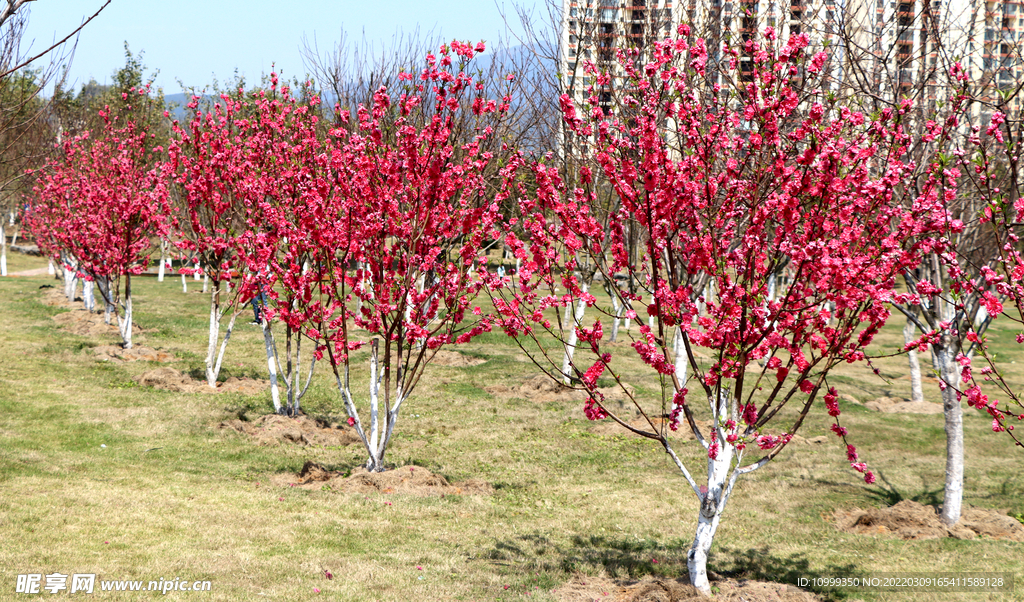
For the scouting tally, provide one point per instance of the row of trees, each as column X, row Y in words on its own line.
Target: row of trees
column 365, row 227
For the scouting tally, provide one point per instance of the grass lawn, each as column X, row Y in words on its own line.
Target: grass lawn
column 100, row 475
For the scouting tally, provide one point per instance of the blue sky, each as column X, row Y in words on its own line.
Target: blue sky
column 197, row 40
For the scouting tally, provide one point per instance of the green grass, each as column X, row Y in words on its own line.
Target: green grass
column 100, row 475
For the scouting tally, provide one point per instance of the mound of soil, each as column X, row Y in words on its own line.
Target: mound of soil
column 543, row 389
column 455, row 359
column 170, row 379
column 114, row 353
column 895, row 405
column 274, row 429
column 911, row 520
column 55, row 297
column 410, row 480
column 655, row 589
column 87, row 323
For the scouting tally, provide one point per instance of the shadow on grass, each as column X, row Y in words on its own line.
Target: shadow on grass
column 761, row 565
column 887, row 494
column 631, row 558
column 628, row 558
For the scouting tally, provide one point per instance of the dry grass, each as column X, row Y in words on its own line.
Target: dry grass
column 170, row 495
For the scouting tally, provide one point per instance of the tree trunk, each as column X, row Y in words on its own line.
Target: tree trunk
column 125, row 325
column 52, row 271
column 103, row 284
column 163, row 261
column 681, row 358
column 916, row 391
column 381, row 426
column 945, row 352
column 710, row 515
column 570, row 345
column 375, row 463
column 3, row 250
column 70, row 272
column 268, row 341
column 88, row 299
column 70, row 284
column 617, row 307
column 213, row 362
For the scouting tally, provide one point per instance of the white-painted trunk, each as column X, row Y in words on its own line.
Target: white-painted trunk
column 772, row 289
column 916, row 390
column 88, row 299
column 617, row 308
column 52, row 271
column 70, row 284
column 570, row 344
column 981, row 317
column 681, row 357
column 212, row 362
column 268, row 341
column 124, row 319
column 952, row 500
column 163, row 261
column 3, row 250
column 224, row 345
column 184, row 283
column 710, row 515
column 103, row 285
column 69, row 270
column 374, row 405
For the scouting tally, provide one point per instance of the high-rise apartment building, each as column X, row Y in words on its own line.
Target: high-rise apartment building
column 881, row 49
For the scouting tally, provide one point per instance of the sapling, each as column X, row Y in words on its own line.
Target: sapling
column 98, row 203
column 374, row 234
column 727, row 179
column 207, row 166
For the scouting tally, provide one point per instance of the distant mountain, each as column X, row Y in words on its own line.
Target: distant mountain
column 535, row 71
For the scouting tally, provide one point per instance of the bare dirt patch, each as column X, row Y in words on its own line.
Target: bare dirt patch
column 274, row 429
column 55, row 297
column 455, row 359
column 35, row 272
column 911, row 520
column 170, row 379
column 895, row 405
column 86, row 323
column 409, row 480
column 655, row 589
column 115, row 353
column 544, row 389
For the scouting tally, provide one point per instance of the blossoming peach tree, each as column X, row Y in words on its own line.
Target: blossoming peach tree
column 376, row 233
column 207, row 167
column 989, row 283
column 732, row 179
column 99, row 202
